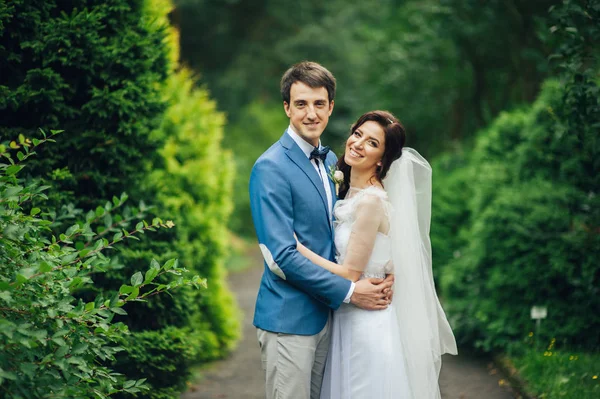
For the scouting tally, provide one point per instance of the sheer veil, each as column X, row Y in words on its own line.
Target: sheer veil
column 425, row 332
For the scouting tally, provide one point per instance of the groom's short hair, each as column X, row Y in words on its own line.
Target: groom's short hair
column 311, row 74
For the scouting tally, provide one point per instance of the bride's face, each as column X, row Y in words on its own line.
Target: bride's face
column 364, row 147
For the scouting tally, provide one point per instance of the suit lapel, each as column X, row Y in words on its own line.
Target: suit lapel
column 299, row 158
column 328, row 165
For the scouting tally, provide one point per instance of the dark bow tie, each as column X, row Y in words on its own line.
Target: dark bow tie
column 319, row 153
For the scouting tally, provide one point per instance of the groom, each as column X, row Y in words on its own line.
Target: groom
column 291, row 193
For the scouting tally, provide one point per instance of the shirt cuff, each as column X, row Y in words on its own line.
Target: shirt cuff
column 350, row 292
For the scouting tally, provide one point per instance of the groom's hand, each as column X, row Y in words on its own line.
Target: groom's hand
column 368, row 293
column 389, row 292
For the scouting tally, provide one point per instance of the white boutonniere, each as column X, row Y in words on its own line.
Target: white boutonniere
column 337, row 177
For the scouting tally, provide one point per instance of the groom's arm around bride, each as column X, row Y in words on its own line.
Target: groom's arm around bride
column 290, row 193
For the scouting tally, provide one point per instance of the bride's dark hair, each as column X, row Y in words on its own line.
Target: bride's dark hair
column 395, row 137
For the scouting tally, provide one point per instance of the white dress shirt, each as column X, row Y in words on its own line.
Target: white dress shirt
column 320, row 169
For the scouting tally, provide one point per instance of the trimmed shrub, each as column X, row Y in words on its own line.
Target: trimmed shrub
column 452, row 189
column 104, row 71
column 531, row 239
column 194, row 186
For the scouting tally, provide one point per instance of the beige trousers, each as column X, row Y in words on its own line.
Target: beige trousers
column 293, row 364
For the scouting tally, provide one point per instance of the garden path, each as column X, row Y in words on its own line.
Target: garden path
column 239, row 376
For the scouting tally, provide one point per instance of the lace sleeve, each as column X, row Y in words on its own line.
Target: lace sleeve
column 369, row 217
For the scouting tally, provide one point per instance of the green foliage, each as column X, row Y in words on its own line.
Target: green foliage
column 193, row 184
column 158, row 355
column 92, row 70
column 451, row 190
column 531, row 237
column 103, row 71
column 258, row 126
column 53, row 343
column 445, row 68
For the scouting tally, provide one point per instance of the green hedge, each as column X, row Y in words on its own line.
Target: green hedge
column 530, row 240
column 194, row 186
column 105, row 72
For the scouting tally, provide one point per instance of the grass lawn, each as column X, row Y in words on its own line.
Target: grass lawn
column 549, row 373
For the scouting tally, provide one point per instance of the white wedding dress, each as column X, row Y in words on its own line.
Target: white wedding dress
column 366, row 357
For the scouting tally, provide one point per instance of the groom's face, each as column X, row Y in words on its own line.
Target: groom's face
column 309, row 110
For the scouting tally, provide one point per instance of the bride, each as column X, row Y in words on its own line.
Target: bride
column 382, row 227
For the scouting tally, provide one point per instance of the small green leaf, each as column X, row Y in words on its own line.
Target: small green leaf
column 108, row 221
column 137, row 279
column 150, row 275
column 99, row 211
column 60, row 333
column 6, row 296
column 171, row 263
column 120, row 311
column 79, row 348
column 140, row 382
column 154, row 264
column 63, row 348
column 45, row 267
column 12, row 191
column 84, row 253
column 125, row 289
column 134, row 294
column 89, row 306
column 71, row 230
column 7, row 375
column 129, row 384
column 99, row 394
column 35, row 211
column 13, row 169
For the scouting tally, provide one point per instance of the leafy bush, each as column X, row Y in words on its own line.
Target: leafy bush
column 525, row 254
column 193, row 185
column 105, row 71
column 52, row 342
column 529, row 241
column 532, row 234
column 451, row 188
column 93, row 69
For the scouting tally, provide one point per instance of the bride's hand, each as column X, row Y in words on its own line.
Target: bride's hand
column 368, row 293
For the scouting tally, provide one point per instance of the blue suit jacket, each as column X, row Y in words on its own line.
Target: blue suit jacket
column 287, row 196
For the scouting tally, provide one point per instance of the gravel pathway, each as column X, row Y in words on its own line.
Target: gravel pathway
column 240, row 375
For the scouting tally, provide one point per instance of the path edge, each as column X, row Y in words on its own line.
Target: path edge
column 518, row 384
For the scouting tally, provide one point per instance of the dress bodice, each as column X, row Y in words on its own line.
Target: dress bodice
column 345, row 212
